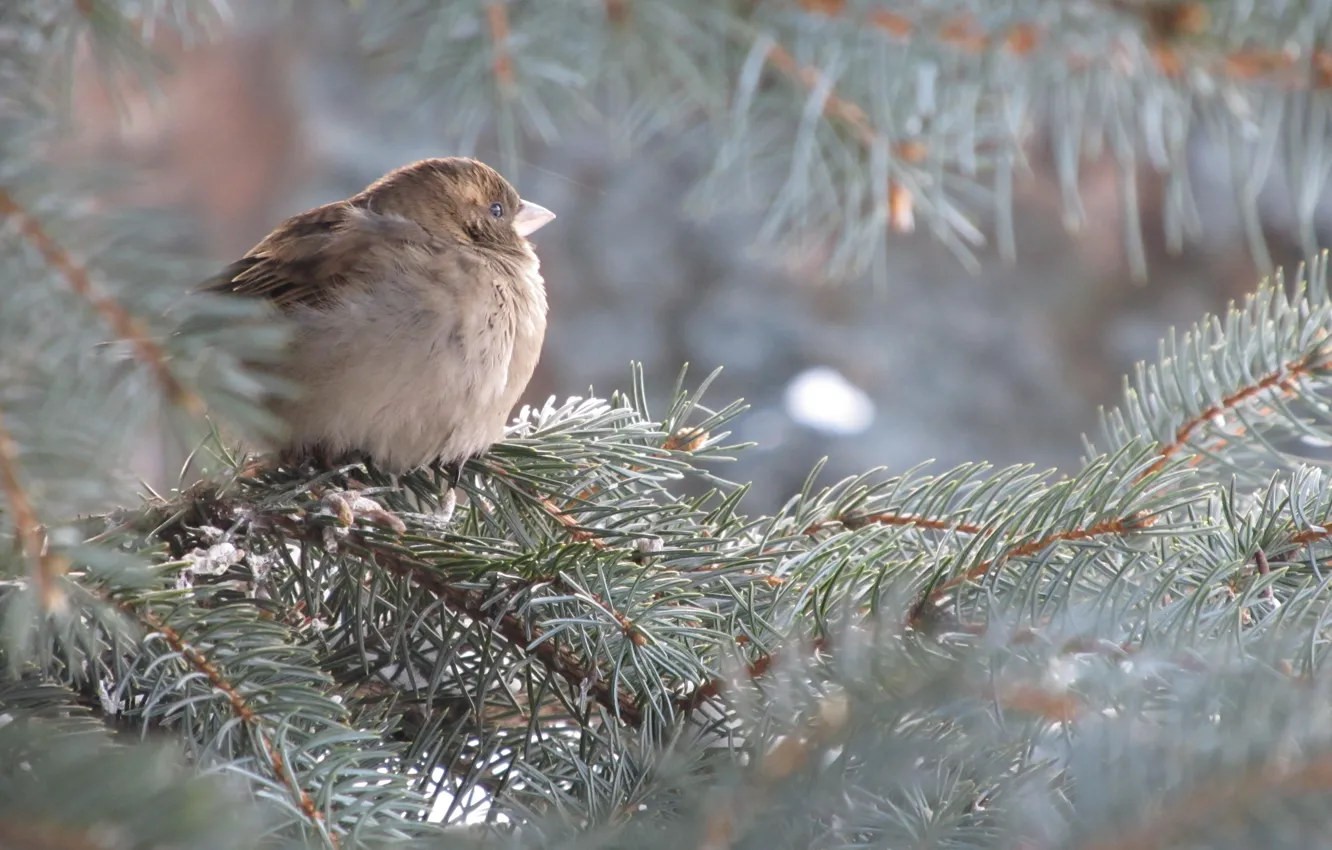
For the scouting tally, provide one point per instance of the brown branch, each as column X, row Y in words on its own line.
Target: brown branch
column 497, row 19
column 1170, row 43
column 826, row 8
column 753, row 670
column 1282, row 380
column 125, row 326
column 889, row 518
column 583, row 535
column 47, row 566
column 685, row 439
column 836, row 107
column 1219, row 800
column 900, row 199
column 1171, row 31
column 242, row 709
column 555, row 657
column 1118, row 525
column 577, row 532
column 761, row 665
column 901, row 202
column 563, row 662
column 1310, row 535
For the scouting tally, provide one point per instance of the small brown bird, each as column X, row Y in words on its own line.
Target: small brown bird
column 418, row 310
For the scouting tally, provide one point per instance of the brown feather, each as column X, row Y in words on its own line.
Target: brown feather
column 310, row 256
column 436, row 205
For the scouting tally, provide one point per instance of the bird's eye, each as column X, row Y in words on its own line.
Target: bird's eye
column 497, row 210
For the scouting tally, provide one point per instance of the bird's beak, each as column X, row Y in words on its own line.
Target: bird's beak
column 531, row 218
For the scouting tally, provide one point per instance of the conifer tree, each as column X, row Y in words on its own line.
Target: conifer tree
column 600, row 647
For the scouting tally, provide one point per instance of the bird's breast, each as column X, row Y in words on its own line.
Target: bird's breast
column 411, row 370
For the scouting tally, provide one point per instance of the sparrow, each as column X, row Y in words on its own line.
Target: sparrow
column 418, row 313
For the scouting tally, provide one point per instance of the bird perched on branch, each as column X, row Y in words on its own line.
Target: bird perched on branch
column 419, row 313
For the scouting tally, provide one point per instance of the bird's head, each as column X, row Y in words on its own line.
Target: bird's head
column 461, row 198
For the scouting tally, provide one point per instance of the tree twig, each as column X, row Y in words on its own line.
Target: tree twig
column 47, row 566
column 124, row 325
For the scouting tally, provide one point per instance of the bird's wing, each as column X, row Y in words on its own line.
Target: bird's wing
column 310, row 256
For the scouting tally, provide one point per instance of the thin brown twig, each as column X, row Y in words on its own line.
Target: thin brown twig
column 240, row 706
column 554, row 656
column 1283, row 380
column 522, row 635
column 1117, row 525
column 895, row 519
column 753, row 670
column 629, row 628
column 577, row 532
column 834, row 106
column 497, row 19
column 759, row 666
column 1311, row 535
column 1297, row 540
column 124, row 325
column 1171, row 41
column 1167, row 41
column 686, row 439
column 47, row 567
column 900, row 200
column 763, row 663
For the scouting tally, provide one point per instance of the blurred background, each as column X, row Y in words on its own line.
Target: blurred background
column 933, row 361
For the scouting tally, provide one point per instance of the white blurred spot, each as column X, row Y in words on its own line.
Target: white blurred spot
column 821, row 399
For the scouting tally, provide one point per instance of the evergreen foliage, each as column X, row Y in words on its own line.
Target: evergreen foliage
column 600, row 648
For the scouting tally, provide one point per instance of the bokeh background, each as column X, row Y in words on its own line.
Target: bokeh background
column 1010, row 365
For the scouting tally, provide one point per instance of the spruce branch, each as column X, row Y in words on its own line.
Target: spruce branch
column 238, row 690
column 536, row 596
column 54, row 768
column 245, row 712
column 1283, row 382
column 854, row 521
column 585, row 653
column 890, row 113
column 124, row 325
column 1114, row 526
column 1238, row 396
column 557, row 658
